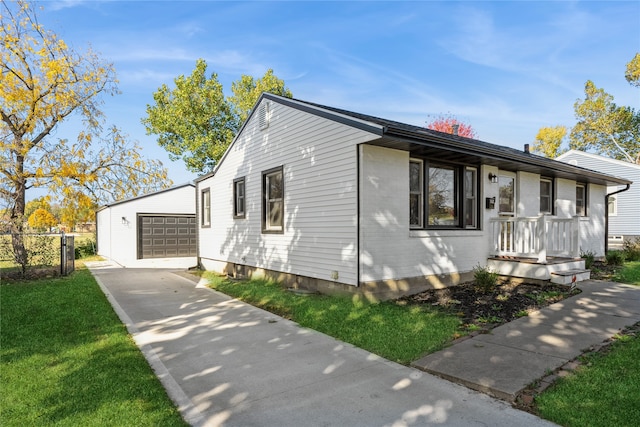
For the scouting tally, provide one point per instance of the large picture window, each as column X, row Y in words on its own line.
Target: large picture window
column 442, row 196
column 238, row 198
column 273, row 201
column 206, row 207
column 443, row 190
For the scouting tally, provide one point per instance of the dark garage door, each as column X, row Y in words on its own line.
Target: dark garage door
column 166, row 236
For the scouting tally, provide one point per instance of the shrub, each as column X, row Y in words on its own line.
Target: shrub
column 589, row 258
column 485, row 279
column 88, row 248
column 631, row 249
column 615, row 257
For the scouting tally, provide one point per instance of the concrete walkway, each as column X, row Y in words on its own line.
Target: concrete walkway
column 226, row 363
column 504, row 361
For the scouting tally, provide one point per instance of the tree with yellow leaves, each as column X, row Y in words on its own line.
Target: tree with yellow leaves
column 42, row 82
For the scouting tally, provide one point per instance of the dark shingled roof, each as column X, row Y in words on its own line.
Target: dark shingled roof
column 423, row 141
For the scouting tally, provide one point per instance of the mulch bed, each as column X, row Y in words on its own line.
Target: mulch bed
column 486, row 310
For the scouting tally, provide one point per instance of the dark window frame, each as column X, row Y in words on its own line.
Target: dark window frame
column 552, row 198
column 239, row 200
column 459, row 197
column 267, row 227
column 205, row 205
column 585, row 200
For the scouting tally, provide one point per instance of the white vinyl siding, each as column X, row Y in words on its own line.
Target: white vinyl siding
column 319, row 164
column 626, row 221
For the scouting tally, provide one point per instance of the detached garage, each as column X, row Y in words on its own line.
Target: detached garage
column 157, row 229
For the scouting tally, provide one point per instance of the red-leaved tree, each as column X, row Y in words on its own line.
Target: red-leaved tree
column 446, row 123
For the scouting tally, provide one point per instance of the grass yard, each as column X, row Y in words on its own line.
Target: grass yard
column 397, row 332
column 606, row 388
column 630, row 273
column 67, row 360
column 603, row 392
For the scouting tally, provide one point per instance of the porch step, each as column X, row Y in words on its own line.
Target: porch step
column 568, row 277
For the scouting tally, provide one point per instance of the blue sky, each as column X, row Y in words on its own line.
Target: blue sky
column 506, row 68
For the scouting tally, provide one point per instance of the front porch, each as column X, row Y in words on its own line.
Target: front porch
column 541, row 248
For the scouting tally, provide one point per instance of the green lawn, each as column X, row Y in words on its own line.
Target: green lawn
column 67, row 360
column 396, row 332
column 630, row 273
column 604, row 392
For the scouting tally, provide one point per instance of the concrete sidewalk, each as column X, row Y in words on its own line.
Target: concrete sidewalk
column 227, row 363
column 504, row 361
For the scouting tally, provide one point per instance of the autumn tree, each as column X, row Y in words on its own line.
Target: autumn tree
column 632, row 73
column 549, row 141
column 602, row 126
column 39, row 214
column 43, row 82
column 195, row 122
column 448, row 123
column 247, row 90
column 42, row 220
column 605, row 127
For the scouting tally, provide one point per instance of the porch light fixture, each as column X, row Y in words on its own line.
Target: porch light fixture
column 124, row 220
column 493, row 177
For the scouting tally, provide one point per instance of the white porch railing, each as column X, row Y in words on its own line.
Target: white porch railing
column 538, row 237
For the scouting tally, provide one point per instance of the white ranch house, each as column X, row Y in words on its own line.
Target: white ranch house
column 327, row 199
column 154, row 230
column 623, row 203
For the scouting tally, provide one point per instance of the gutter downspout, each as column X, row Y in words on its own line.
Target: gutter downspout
column 606, row 217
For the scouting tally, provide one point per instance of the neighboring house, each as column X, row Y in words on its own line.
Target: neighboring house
column 623, row 208
column 157, row 229
column 328, row 199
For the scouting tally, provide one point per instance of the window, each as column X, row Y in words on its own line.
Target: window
column 470, row 198
column 581, row 200
column 447, row 199
column 206, row 207
column 546, row 196
column 238, row 198
column 273, row 201
column 442, row 196
column 507, row 193
column 612, row 205
column 415, row 193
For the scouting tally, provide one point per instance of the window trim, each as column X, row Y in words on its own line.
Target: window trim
column 459, row 198
column 205, row 205
column 585, row 199
column 266, row 227
column 419, row 193
column 613, row 201
column 551, row 196
column 475, row 199
column 237, row 214
column 511, row 176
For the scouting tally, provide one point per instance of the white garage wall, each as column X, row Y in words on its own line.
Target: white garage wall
column 118, row 238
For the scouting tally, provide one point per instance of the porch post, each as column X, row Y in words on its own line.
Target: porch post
column 575, row 237
column 542, row 239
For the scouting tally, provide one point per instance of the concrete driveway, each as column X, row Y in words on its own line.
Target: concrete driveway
column 226, row 363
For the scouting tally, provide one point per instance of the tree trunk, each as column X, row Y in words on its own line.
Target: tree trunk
column 20, row 254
